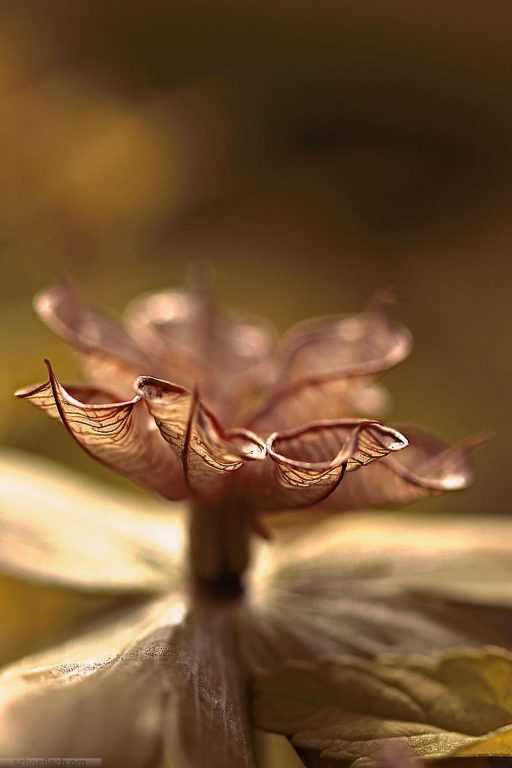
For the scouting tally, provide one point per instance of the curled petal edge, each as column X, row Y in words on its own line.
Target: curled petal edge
column 143, row 386
column 130, row 447
column 208, row 453
column 347, row 449
column 317, row 459
column 459, row 452
column 304, row 334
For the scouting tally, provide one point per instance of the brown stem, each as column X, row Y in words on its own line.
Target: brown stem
column 218, row 549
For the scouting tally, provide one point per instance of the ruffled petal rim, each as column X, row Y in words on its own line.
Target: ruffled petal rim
column 120, row 434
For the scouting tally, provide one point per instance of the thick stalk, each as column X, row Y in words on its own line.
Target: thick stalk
column 218, row 548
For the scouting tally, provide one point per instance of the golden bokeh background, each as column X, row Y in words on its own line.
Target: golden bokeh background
column 310, row 152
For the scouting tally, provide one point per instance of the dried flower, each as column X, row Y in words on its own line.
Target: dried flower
column 168, row 678
column 299, row 447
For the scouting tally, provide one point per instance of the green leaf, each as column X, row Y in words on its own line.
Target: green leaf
column 458, row 704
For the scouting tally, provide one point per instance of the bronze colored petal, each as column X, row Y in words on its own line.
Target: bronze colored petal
column 325, row 367
column 110, row 355
column 427, row 467
column 58, row 528
column 222, row 352
column 305, row 466
column 209, row 453
column 119, row 434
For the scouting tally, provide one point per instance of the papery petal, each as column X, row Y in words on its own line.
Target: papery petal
column 41, row 614
column 162, row 680
column 206, row 345
column 58, row 528
column 207, row 718
column 372, row 583
column 306, row 465
column 119, row 434
column 395, row 551
column 110, row 355
column 209, row 453
column 355, row 345
column 427, row 467
column 325, row 367
column 101, row 696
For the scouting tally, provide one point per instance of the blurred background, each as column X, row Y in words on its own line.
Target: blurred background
column 311, row 151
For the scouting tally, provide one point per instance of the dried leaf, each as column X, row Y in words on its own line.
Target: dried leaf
column 207, row 719
column 455, row 705
column 354, row 584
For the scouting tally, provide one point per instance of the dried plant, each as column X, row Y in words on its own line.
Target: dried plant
column 264, row 441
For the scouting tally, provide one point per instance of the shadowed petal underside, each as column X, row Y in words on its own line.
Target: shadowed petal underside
column 372, row 583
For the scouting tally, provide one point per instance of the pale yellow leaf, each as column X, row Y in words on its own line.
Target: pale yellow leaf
column 274, row 751
column 57, row 527
column 458, row 704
